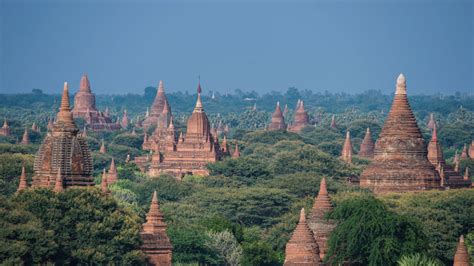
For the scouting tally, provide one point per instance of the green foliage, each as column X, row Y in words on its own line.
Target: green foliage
column 368, row 233
column 226, row 246
column 270, row 137
column 418, row 259
column 246, row 170
column 189, row 246
column 84, row 226
column 129, row 140
column 259, row 253
column 10, row 170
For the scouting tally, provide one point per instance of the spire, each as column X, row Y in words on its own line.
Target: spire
column 26, row 138
column 367, row 146
column 112, row 176
column 435, row 152
column 471, row 150
column 161, row 87
column 199, row 107
column 64, row 115
column 302, row 248
column 5, row 123
column 431, row 122
column 23, row 184
column 236, row 153
column 461, row 258
column 464, row 152
column 154, row 218
column 58, row 185
column 322, row 203
column 134, row 133
column 333, row 122
column 346, row 154
column 434, row 136
column 103, row 150
column 104, row 185
column 147, row 114
column 50, row 124
column 278, row 120
column 145, row 138
column 124, row 122
column 466, row 174
column 401, row 85
column 85, row 85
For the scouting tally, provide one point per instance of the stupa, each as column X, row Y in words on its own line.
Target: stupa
column 23, row 183
column 367, row 146
column 63, row 152
column 431, row 122
column 25, row 140
column 400, row 161
column 112, row 175
column 191, row 153
column 333, row 122
column 471, row 150
column 320, row 226
column 157, row 141
column 236, row 153
column 302, row 248
column 346, row 154
column 157, row 108
column 5, row 130
column 278, row 121
column 156, row 243
column 84, row 107
column 301, row 118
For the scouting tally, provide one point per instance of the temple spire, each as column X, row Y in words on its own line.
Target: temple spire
column 199, row 107
column 103, row 149
column 461, row 258
column 154, row 218
column 466, row 174
column 5, row 123
column 23, row 184
column 26, row 138
column 333, row 122
column 401, row 85
column 112, row 176
column 85, row 85
column 104, row 185
column 302, row 248
column 367, row 146
column 236, row 153
column 346, row 154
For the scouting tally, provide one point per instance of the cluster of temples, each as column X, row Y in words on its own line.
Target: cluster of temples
column 300, row 119
column 186, row 153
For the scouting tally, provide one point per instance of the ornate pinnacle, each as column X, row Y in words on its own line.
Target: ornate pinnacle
column 401, row 85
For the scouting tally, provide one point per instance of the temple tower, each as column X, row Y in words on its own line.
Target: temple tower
column 63, row 152
column 236, row 153
column 301, row 118
column 278, row 120
column 112, row 175
column 333, row 122
column 471, row 150
column 104, row 186
column 367, row 146
column 25, row 140
column 346, row 154
column 302, row 248
column 157, row 107
column 103, row 149
column 5, row 130
column 431, row 122
column 320, row 226
column 156, row 244
column 400, row 157
column 23, row 183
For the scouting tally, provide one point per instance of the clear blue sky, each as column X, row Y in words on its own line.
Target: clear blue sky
column 348, row 46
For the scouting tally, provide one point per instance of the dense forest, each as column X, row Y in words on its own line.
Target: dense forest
column 245, row 211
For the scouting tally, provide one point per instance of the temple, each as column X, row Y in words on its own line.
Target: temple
column 84, row 107
column 190, row 153
column 156, row 244
column 103, row 149
column 461, row 258
column 471, row 150
column 112, row 175
column 400, row 161
column 5, row 130
column 320, row 226
column 236, row 153
column 302, row 248
column 346, row 154
column 103, row 185
column 367, row 146
column 25, row 139
column 450, row 178
column 157, row 141
column 301, row 118
column 160, row 105
column 63, row 153
column 278, row 120
column 23, row 182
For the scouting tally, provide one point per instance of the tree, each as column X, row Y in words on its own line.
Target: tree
column 418, row 259
column 368, row 233
column 226, row 246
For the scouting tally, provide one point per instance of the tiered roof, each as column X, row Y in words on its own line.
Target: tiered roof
column 302, row 248
column 367, row 146
column 278, row 120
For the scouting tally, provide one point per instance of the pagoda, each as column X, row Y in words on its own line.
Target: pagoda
column 112, row 175
column 471, row 150
column 157, row 141
column 191, row 153
column 84, row 107
column 25, row 140
column 450, row 177
column 367, row 146
column 346, row 154
column 333, row 122
column 461, row 258
column 5, row 130
column 431, row 122
column 464, row 153
column 400, row 161
column 301, row 118
column 320, row 226
column 63, row 153
column 23, row 182
column 156, row 243
column 236, row 153
column 278, row 120
column 302, row 248
column 157, row 108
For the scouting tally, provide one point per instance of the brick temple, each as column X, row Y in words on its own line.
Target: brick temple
column 160, row 104
column 5, row 130
column 63, row 158
column 301, row 118
column 400, row 161
column 278, row 120
column 84, row 107
column 367, row 146
column 189, row 153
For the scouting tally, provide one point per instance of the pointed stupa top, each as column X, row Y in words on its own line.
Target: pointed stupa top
column 23, row 184
column 333, row 122
column 26, row 138
column 431, row 122
column 50, row 124
column 85, row 85
column 5, row 123
column 466, row 174
column 102, row 149
column 367, row 146
column 199, row 108
column 64, row 115
column 113, row 167
column 322, row 203
column 435, row 152
column 471, row 150
column 147, row 114
column 302, row 248
column 346, row 154
column 58, row 185
column 134, row 133
column 461, row 258
column 112, row 175
column 154, row 219
column 464, row 154
column 103, row 184
column 278, row 120
column 236, row 153
column 401, row 85
column 285, row 110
